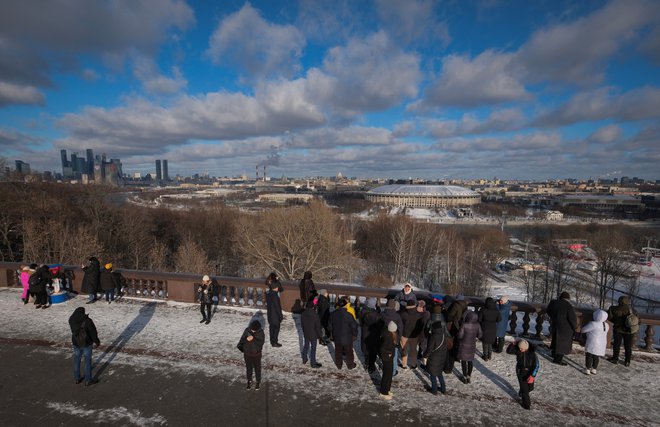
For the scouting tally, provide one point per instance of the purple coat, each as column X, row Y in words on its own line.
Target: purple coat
column 467, row 337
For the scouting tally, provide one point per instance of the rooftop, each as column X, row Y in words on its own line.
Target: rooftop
column 423, row 190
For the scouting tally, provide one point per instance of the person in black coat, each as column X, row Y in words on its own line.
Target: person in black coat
column 436, row 354
column 527, row 366
column 344, row 332
column 38, row 282
column 389, row 341
column 563, row 325
column 109, row 281
column 92, row 279
column 205, row 299
column 413, row 325
column 251, row 344
column 311, row 326
column 371, row 326
column 274, row 309
column 307, row 288
column 489, row 315
column 83, row 336
column 323, row 311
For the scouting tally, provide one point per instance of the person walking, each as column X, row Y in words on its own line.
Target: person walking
column 489, row 315
column 389, row 340
column 467, row 343
column 83, row 337
column 311, row 326
column 436, row 353
column 274, row 308
column 563, row 324
column 504, row 307
column 92, row 279
column 205, row 299
column 622, row 332
column 527, row 366
column 596, row 332
column 344, row 333
column 251, row 344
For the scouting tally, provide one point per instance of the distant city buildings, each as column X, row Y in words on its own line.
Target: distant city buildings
column 91, row 168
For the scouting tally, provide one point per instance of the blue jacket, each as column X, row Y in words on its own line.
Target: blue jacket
column 505, row 311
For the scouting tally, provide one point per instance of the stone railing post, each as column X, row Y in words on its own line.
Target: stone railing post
column 513, row 321
column 540, row 317
column 526, row 324
column 648, row 338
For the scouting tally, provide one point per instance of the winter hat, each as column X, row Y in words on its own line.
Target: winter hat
column 407, row 285
column 390, row 303
column 565, row 295
column 504, row 299
column 255, row 325
column 323, row 292
column 411, row 304
column 108, row 266
column 206, row 278
column 391, row 326
column 371, row 302
column 523, row 345
column 342, row 302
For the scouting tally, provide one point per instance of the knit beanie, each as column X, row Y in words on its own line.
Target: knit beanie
column 391, row 326
column 523, row 345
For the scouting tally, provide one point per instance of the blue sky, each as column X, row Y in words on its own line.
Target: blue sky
column 381, row 88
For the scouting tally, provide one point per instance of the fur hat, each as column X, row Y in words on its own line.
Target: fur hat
column 523, row 345
column 206, row 278
column 391, row 326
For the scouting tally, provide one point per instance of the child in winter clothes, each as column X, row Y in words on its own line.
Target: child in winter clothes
column 596, row 332
column 251, row 344
column 527, row 366
column 467, row 343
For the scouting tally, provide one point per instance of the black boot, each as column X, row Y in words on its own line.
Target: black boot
column 500, row 344
column 249, row 385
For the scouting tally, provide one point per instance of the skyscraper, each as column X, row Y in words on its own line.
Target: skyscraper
column 166, row 175
column 90, row 162
column 159, row 176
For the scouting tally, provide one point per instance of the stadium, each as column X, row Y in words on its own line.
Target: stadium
column 423, row 196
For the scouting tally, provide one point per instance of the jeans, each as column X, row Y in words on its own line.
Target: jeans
column 87, row 353
column 434, row 383
column 110, row 295
column 395, row 364
column 312, row 354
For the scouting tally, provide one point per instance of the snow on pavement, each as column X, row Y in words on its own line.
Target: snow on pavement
column 136, row 333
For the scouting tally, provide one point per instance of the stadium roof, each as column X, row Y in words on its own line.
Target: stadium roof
column 423, row 190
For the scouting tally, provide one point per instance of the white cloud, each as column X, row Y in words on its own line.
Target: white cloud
column 246, row 41
column 19, row 94
column 606, row 135
column 502, row 120
column 536, row 141
column 146, row 71
column 412, row 20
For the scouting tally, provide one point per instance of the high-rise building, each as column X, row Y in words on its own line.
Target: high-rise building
column 22, row 167
column 89, row 170
column 159, row 175
column 166, row 175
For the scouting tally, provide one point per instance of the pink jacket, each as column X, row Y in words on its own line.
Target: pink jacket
column 25, row 276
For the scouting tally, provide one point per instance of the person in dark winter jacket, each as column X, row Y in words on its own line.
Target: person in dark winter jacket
column 109, row 281
column 371, row 326
column 311, row 326
column 307, row 288
column 454, row 318
column 344, row 332
column 274, row 309
column 563, row 324
column 37, row 286
column 389, row 340
column 205, row 300
column 436, row 354
column 390, row 314
column 422, row 338
column 323, row 310
column 617, row 315
column 214, row 291
column 251, row 344
column 504, row 307
column 413, row 324
column 527, row 366
column 92, row 279
column 83, row 336
column 467, row 343
column 406, row 295
column 488, row 318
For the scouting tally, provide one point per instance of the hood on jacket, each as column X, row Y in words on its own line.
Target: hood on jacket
column 600, row 316
column 471, row 317
column 490, row 303
column 307, row 275
column 77, row 318
column 624, row 300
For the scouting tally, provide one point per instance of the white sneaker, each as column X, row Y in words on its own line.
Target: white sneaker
column 594, row 372
column 587, row 371
column 385, row 396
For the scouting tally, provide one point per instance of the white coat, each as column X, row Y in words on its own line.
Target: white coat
column 596, row 332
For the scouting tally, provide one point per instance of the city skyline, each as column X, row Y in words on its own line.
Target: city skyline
column 383, row 88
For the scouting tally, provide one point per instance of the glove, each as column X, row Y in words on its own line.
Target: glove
column 530, row 380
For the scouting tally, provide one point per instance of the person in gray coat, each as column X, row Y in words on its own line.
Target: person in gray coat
column 564, row 323
column 488, row 318
column 467, row 343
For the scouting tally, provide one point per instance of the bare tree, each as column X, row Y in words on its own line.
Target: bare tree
column 191, row 258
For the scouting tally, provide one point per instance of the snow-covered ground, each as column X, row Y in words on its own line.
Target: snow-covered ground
column 150, row 335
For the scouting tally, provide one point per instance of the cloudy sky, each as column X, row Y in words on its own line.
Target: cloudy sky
column 369, row 88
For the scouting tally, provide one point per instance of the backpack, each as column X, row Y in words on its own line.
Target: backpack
column 81, row 335
column 632, row 322
column 34, row 279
